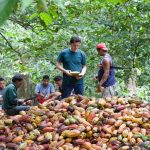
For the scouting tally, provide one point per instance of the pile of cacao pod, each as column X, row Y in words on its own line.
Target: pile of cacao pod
column 78, row 123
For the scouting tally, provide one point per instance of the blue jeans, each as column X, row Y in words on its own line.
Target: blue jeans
column 16, row 110
column 67, row 89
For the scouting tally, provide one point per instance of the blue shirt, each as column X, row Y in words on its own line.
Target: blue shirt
column 45, row 90
column 73, row 61
column 1, row 95
column 2, row 92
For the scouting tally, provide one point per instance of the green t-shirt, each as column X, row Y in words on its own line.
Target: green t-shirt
column 73, row 61
column 10, row 97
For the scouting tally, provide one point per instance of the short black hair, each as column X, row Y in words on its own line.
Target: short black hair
column 2, row 79
column 45, row 77
column 17, row 77
column 58, row 78
column 75, row 39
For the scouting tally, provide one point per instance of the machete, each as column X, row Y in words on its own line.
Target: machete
column 122, row 68
column 31, row 98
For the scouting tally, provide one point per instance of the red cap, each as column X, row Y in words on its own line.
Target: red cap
column 102, row 46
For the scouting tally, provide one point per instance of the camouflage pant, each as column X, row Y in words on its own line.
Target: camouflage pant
column 109, row 91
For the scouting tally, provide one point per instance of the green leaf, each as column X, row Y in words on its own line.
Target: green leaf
column 146, row 1
column 6, row 7
column 46, row 18
column 53, row 13
column 34, row 15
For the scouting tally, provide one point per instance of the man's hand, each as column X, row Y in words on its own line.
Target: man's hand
column 41, row 95
column 1, row 98
column 80, row 76
column 29, row 102
column 67, row 72
column 100, row 88
column 20, row 101
column 46, row 103
column 96, row 77
column 100, row 65
column 46, row 97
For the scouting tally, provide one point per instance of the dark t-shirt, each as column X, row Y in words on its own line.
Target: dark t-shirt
column 10, row 98
column 73, row 61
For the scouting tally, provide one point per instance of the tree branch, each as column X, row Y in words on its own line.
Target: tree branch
column 24, row 24
column 9, row 44
column 6, row 41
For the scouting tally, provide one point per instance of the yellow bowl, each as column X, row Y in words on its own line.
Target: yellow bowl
column 74, row 73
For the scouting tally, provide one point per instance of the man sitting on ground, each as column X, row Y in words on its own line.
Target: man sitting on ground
column 45, row 91
column 10, row 100
column 58, row 81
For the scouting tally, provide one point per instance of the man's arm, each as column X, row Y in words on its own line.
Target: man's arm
column 60, row 67
column 37, row 91
column 83, row 62
column 52, row 95
column 82, row 72
column 60, row 60
column 50, row 92
column 106, row 67
column 13, row 96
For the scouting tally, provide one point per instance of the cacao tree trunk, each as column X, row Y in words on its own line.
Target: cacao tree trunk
column 132, row 83
column 25, row 90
